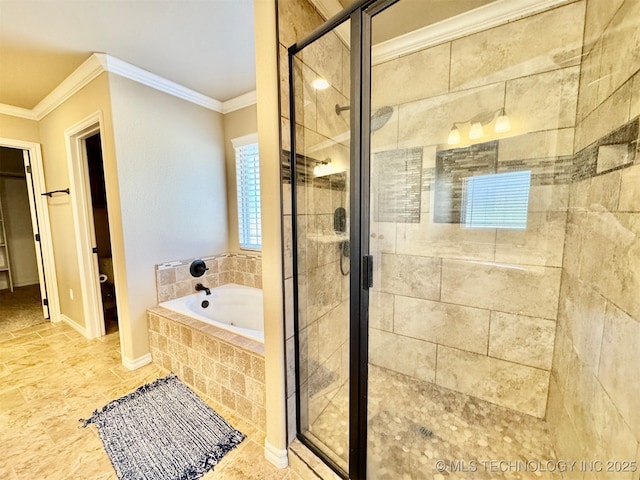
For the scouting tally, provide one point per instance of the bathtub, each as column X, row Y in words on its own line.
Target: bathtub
column 235, row 308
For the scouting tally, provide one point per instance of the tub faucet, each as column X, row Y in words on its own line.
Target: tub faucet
column 202, row 288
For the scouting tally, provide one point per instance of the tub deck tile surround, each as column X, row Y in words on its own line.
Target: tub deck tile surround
column 230, row 337
column 173, row 279
column 227, row 367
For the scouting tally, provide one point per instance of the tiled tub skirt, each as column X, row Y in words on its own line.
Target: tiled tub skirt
column 226, row 367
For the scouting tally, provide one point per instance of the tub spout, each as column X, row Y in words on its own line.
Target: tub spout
column 202, row 288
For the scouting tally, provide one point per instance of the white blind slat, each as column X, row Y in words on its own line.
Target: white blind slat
column 248, row 183
column 498, row 200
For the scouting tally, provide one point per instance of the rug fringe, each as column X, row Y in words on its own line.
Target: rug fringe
column 139, row 391
column 212, row 458
column 86, row 421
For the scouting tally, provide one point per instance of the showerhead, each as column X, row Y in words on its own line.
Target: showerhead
column 379, row 118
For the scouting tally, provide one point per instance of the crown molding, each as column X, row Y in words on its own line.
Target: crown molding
column 241, row 101
column 98, row 63
column 17, row 112
column 467, row 23
column 473, row 21
column 144, row 77
column 78, row 79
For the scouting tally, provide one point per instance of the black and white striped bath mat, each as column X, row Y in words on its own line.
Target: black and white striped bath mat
column 163, row 431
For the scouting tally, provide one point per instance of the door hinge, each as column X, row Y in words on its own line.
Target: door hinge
column 94, row 249
column 45, row 302
column 37, row 237
column 28, row 169
column 367, row 271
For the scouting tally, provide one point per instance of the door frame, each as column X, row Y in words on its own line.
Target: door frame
column 38, row 203
column 81, row 207
column 35, row 226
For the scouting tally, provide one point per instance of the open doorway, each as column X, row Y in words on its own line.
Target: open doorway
column 102, row 245
column 23, row 290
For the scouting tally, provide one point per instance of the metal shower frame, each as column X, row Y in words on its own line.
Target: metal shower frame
column 360, row 14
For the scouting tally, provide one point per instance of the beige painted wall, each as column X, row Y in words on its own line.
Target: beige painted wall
column 90, row 99
column 171, row 181
column 17, row 128
column 236, row 124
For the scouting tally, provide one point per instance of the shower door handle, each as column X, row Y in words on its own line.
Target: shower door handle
column 367, row 271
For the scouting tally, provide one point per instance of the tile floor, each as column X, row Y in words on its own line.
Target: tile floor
column 20, row 308
column 51, row 376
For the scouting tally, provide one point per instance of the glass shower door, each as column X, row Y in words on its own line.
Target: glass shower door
column 322, row 254
column 470, row 163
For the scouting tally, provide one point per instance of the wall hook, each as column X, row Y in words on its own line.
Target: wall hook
column 50, row 194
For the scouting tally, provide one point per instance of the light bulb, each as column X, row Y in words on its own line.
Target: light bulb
column 327, row 168
column 322, row 169
column 454, row 136
column 502, row 123
column 320, row 84
column 476, row 131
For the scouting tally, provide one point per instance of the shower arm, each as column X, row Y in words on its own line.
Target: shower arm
column 340, row 109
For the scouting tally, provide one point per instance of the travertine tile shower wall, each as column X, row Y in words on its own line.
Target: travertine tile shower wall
column 173, row 279
column 492, row 307
column 475, row 309
column 594, row 399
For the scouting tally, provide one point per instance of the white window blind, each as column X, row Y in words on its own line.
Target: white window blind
column 499, row 200
column 248, row 183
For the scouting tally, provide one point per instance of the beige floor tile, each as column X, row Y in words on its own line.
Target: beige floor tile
column 12, row 399
column 50, row 377
column 248, row 463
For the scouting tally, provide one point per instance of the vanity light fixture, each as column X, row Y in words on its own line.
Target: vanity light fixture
column 502, row 123
column 454, row 136
column 323, row 168
column 477, row 123
column 476, row 131
column 320, row 84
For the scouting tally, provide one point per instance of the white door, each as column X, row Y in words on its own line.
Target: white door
column 36, row 232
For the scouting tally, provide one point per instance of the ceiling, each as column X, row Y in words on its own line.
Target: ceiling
column 205, row 45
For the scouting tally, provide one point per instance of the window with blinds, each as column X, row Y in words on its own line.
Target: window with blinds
column 499, row 200
column 248, row 183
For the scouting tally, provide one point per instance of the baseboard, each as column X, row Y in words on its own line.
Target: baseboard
column 26, row 284
column 133, row 364
column 275, row 455
column 73, row 324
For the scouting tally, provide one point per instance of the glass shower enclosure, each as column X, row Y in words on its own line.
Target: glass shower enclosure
column 435, row 166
